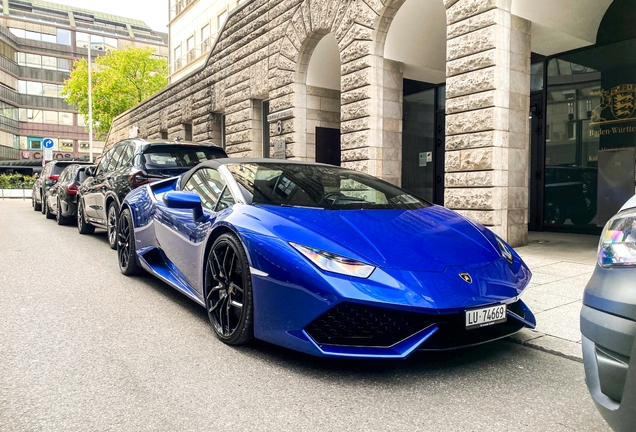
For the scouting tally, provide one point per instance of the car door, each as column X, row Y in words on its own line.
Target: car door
column 120, row 182
column 105, row 183
column 181, row 237
column 91, row 188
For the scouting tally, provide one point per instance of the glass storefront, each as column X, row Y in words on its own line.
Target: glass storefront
column 589, row 134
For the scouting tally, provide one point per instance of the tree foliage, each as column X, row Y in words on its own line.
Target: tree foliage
column 121, row 79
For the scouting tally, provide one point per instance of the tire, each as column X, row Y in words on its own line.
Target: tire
column 111, row 225
column 42, row 201
column 36, row 206
column 61, row 220
column 47, row 210
column 553, row 214
column 126, row 250
column 82, row 226
column 228, row 291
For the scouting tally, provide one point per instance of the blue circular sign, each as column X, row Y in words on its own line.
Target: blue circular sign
column 47, row 143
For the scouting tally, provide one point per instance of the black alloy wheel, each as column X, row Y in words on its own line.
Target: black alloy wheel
column 82, row 226
column 47, row 209
column 228, row 291
column 61, row 220
column 111, row 225
column 126, row 244
column 42, row 201
column 34, row 203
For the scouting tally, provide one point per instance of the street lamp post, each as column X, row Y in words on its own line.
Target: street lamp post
column 90, row 104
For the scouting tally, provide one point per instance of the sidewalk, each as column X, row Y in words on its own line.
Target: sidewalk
column 561, row 266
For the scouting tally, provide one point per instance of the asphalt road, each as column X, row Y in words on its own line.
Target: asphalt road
column 84, row 348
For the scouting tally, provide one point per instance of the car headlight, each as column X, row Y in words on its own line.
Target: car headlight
column 505, row 250
column 334, row 263
column 617, row 245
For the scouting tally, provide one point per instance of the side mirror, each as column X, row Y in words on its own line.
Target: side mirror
column 186, row 201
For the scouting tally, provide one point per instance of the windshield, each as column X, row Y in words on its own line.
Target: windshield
column 179, row 156
column 317, row 186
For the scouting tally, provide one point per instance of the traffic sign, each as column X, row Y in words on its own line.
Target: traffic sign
column 47, row 143
column 48, row 154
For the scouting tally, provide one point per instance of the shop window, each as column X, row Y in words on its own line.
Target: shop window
column 34, row 143
column 66, row 145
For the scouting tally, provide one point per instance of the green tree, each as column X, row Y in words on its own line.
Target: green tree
column 121, row 80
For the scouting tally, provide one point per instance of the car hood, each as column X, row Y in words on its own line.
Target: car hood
column 428, row 239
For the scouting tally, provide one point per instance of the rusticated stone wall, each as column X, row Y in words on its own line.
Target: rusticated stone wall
column 264, row 50
column 487, row 90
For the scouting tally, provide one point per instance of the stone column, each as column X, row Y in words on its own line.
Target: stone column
column 487, row 90
column 372, row 117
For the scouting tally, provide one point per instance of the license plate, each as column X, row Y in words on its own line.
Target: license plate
column 477, row 318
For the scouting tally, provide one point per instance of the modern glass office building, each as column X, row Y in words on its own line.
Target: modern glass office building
column 38, row 42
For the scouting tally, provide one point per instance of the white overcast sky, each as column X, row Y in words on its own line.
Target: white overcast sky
column 152, row 12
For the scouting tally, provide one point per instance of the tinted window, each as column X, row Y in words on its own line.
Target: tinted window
column 176, row 156
column 103, row 163
column 112, row 165
column 58, row 168
column 81, row 175
column 320, row 186
column 208, row 184
column 127, row 156
column 66, row 174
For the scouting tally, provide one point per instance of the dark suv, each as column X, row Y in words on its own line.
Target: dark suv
column 48, row 177
column 129, row 164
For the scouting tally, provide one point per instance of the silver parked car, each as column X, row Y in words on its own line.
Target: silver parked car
column 608, row 322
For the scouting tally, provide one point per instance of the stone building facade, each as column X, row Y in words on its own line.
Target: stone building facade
column 264, row 52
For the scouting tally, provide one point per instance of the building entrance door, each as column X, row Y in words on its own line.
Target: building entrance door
column 423, row 144
column 537, row 163
column 328, row 146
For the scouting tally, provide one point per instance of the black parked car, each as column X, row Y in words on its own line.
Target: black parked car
column 129, row 164
column 608, row 322
column 570, row 193
column 48, row 177
column 61, row 199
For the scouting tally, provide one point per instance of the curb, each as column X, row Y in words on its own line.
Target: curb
column 549, row 344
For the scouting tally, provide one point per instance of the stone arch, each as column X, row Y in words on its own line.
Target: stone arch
column 308, row 26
